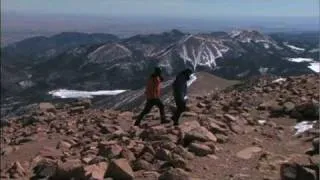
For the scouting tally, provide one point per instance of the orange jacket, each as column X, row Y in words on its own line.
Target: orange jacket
column 153, row 87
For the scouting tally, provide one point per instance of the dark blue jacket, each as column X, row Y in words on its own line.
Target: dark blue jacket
column 180, row 85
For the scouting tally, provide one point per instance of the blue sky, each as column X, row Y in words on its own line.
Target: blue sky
column 168, row 8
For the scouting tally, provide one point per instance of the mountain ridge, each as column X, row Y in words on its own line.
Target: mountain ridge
column 126, row 63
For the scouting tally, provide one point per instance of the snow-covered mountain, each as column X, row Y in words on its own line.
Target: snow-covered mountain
column 91, row 62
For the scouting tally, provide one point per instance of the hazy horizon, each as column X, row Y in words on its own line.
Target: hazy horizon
column 168, row 8
column 22, row 19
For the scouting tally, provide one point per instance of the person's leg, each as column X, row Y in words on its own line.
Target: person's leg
column 145, row 111
column 160, row 105
column 177, row 106
column 181, row 107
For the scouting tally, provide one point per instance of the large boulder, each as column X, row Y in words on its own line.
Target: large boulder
column 199, row 134
column 45, row 169
column 175, row 174
column 120, row 169
column 297, row 172
column 309, row 110
column 200, row 149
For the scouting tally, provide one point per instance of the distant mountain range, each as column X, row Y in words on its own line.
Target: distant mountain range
column 32, row 67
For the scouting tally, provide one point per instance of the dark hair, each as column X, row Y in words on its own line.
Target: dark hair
column 157, row 70
column 187, row 72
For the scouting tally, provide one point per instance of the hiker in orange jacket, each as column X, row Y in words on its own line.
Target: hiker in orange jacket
column 153, row 96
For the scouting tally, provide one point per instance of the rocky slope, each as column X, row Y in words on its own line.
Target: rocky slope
column 244, row 132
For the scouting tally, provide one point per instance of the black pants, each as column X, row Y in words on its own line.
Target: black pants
column 181, row 107
column 150, row 103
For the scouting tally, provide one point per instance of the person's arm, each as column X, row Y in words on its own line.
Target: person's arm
column 192, row 78
column 161, row 78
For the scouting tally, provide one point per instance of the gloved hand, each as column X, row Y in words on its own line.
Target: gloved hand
column 185, row 97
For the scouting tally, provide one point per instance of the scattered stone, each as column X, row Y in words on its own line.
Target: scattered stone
column 215, row 128
column 150, row 175
column 189, row 114
column 63, row 145
column 84, row 102
column 96, row 171
column 147, row 156
column 183, row 152
column 200, row 149
column 110, row 151
column 212, row 156
column 47, row 107
column 71, row 168
column 87, row 159
column 6, row 150
column 17, row 169
column 141, row 164
column 236, row 128
column 169, row 145
column 51, row 153
column 267, row 105
column 120, row 169
column 175, row 174
column 127, row 154
column 22, row 140
column 288, row 107
column 231, row 118
column 77, row 110
column 187, row 126
column 221, row 138
column 199, row 134
column 248, row 152
column 178, row 162
column 163, row 154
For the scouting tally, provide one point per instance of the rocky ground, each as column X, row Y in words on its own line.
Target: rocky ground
column 242, row 133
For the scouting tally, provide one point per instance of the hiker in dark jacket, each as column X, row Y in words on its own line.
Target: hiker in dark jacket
column 153, row 97
column 180, row 93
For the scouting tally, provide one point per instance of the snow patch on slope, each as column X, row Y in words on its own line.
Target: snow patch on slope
column 314, row 50
column 315, row 66
column 65, row 93
column 110, row 52
column 235, row 33
column 300, row 59
column 204, row 54
column 267, row 46
column 294, row 47
column 263, row 70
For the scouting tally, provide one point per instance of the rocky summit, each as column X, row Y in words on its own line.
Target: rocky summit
column 248, row 131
